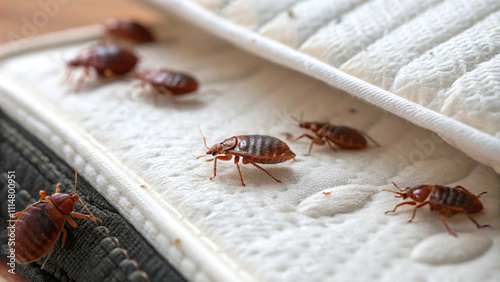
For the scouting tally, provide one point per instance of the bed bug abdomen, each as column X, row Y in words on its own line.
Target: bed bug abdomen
column 178, row 83
column 127, row 30
column 263, row 149
column 113, row 57
column 37, row 230
column 347, row 137
column 449, row 196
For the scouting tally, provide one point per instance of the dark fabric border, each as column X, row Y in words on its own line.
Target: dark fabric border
column 111, row 251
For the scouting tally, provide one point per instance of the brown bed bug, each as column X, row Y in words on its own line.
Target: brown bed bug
column 166, row 82
column 446, row 201
column 109, row 60
column 40, row 225
column 253, row 149
column 120, row 29
column 342, row 136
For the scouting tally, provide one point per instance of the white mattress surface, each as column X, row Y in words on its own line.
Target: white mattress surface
column 431, row 62
column 266, row 231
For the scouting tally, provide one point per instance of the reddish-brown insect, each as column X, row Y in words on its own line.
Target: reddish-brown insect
column 117, row 29
column 252, row 149
column 167, row 82
column 107, row 60
column 342, row 136
column 40, row 225
column 446, row 201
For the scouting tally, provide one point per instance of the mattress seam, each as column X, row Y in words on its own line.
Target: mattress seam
column 389, row 30
column 75, row 159
column 423, row 52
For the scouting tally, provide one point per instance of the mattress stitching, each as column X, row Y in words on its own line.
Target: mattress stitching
column 348, row 11
column 279, row 12
column 389, row 30
column 475, row 66
column 422, row 52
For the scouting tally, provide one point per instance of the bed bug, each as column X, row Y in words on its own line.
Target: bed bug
column 342, row 136
column 109, row 60
column 40, row 225
column 446, row 201
column 117, row 29
column 253, row 149
column 167, row 82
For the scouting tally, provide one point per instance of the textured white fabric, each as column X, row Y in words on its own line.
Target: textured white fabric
column 321, row 224
column 378, row 42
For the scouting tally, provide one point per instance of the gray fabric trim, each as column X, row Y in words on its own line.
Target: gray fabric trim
column 111, row 251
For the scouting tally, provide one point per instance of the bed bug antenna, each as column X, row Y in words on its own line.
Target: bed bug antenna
column 202, row 136
column 204, row 142
column 74, row 192
column 399, row 194
column 397, row 186
column 479, row 195
column 76, row 177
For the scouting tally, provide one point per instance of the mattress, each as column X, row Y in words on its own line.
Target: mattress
column 431, row 105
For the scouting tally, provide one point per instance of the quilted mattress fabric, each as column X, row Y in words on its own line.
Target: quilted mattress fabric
column 322, row 223
column 433, row 62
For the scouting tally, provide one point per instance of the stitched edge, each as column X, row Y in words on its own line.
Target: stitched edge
column 333, row 20
column 416, row 57
column 390, row 30
column 29, row 150
column 56, row 135
column 476, row 63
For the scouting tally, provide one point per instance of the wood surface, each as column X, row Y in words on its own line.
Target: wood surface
column 24, row 19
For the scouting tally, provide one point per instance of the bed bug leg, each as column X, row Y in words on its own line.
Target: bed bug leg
column 169, row 94
column 443, row 219
column 71, row 222
column 314, row 141
column 475, row 222
column 328, row 141
column 48, row 256
column 109, row 73
column 370, row 138
column 142, row 92
column 66, row 76
column 222, row 158
column 65, row 234
column 128, row 94
column 397, row 206
column 81, row 79
column 82, row 216
column 257, row 166
column 156, row 93
column 236, row 160
column 415, row 210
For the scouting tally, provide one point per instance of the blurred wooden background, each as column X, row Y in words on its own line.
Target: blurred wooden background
column 31, row 18
column 24, row 19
